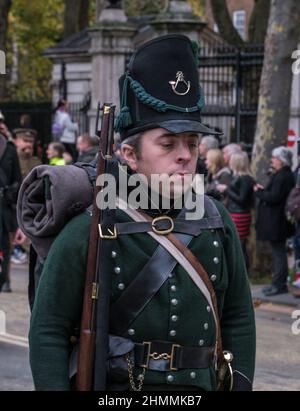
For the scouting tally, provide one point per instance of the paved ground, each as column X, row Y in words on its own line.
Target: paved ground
column 15, row 372
column 278, row 354
column 281, row 299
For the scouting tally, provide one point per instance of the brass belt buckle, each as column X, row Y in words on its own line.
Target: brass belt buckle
column 161, row 218
column 162, row 356
column 148, row 345
column 172, row 366
column 111, row 234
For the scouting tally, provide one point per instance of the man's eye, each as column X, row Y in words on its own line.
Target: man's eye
column 167, row 145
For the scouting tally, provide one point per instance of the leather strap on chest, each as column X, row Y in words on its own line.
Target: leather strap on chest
column 123, row 312
column 144, row 286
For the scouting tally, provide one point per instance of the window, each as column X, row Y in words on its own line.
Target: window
column 239, row 22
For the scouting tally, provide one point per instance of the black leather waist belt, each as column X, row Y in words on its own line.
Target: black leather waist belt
column 165, row 356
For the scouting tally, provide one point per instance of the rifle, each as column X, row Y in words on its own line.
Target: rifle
column 96, row 294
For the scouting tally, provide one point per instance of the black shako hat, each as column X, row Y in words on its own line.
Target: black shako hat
column 161, row 89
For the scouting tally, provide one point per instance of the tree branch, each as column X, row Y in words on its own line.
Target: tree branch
column 259, row 21
column 224, row 22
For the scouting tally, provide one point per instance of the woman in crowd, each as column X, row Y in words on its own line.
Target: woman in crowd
column 239, row 194
column 64, row 130
column 217, row 173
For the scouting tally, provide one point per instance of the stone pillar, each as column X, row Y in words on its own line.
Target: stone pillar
column 111, row 44
column 179, row 18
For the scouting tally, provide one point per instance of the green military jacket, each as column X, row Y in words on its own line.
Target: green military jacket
column 178, row 313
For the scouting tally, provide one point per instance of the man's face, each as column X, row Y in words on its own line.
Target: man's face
column 79, row 144
column 24, row 145
column 82, row 145
column 162, row 152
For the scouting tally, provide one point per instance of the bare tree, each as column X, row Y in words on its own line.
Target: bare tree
column 258, row 23
column 275, row 86
column 76, row 16
column 5, row 6
column 224, row 22
column 257, row 27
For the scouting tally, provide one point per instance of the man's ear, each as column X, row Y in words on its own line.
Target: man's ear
column 129, row 155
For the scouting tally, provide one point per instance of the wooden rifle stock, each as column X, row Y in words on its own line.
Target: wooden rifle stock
column 87, row 341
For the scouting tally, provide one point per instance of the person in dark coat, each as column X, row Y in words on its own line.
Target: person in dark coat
column 10, row 181
column 87, row 147
column 297, row 235
column 271, row 223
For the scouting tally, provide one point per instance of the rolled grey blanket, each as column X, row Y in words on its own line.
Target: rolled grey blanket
column 48, row 198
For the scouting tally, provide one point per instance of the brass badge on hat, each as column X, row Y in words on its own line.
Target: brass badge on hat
column 180, row 79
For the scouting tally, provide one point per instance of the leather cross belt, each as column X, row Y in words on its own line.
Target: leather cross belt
column 166, row 356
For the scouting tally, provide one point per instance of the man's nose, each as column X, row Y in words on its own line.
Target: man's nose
column 183, row 152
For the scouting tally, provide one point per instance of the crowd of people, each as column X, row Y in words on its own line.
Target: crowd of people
column 228, row 173
column 19, row 154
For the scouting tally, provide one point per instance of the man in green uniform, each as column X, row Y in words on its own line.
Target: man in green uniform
column 158, row 303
